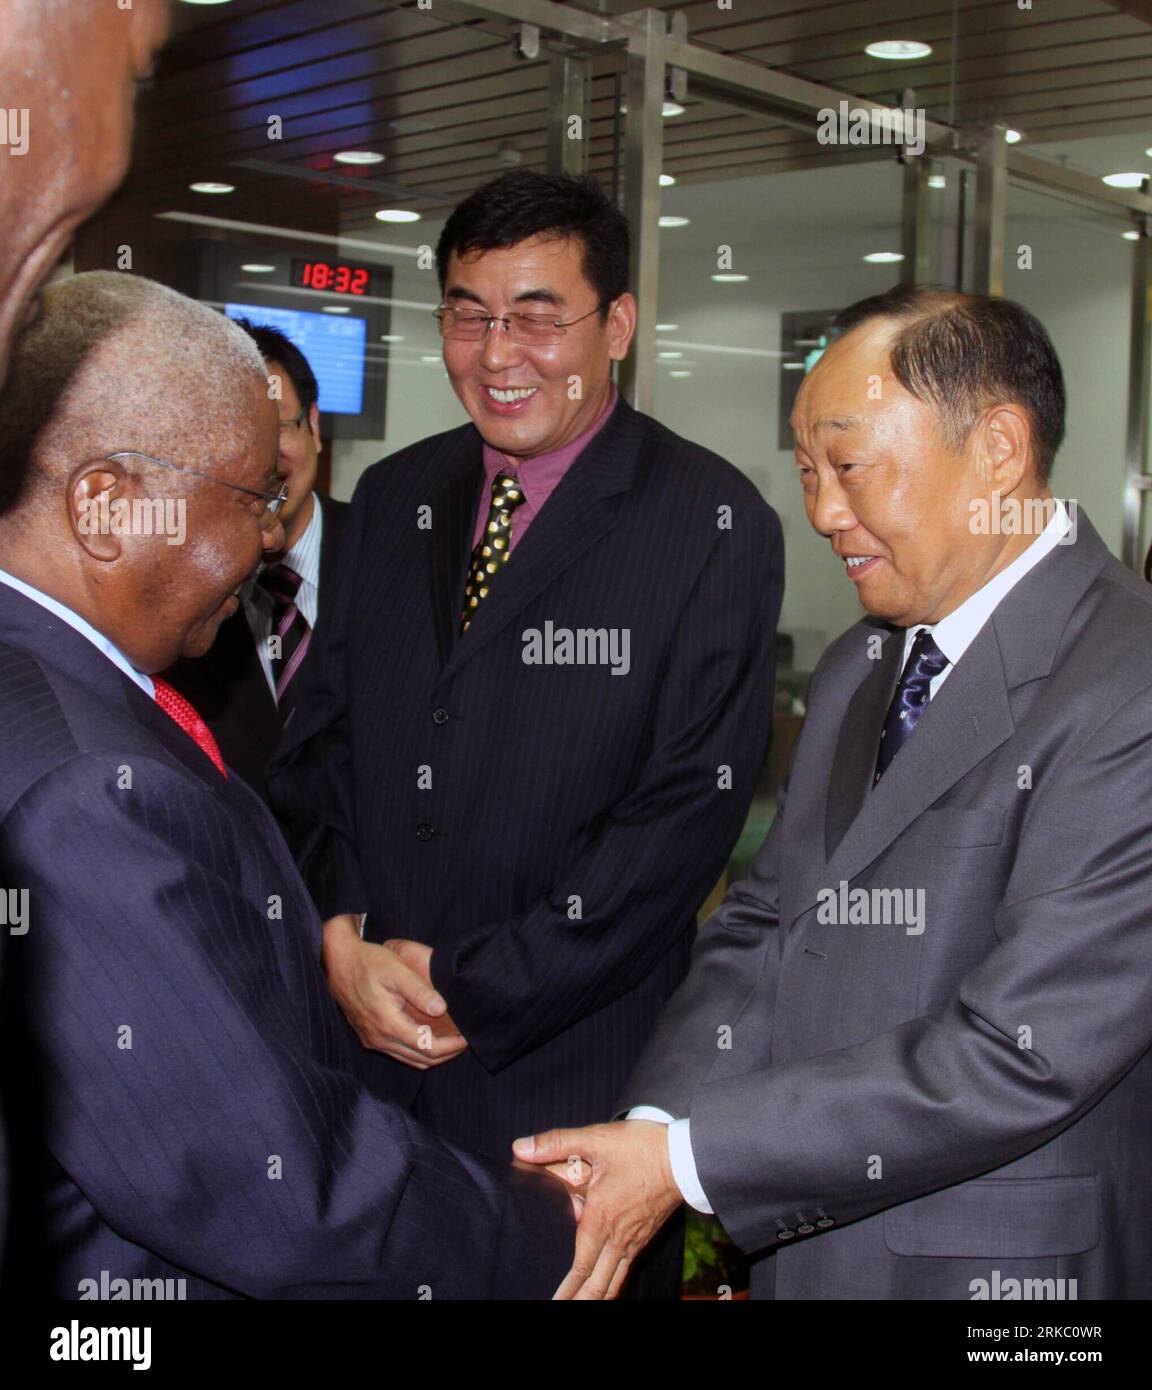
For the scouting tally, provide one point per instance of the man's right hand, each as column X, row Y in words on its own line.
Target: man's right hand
column 392, row 1007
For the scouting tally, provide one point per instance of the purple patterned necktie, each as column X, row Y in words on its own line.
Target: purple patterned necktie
column 290, row 626
column 925, row 663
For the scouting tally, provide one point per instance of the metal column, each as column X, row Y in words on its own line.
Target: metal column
column 914, row 222
column 991, row 207
column 1137, row 480
column 568, row 124
column 643, row 158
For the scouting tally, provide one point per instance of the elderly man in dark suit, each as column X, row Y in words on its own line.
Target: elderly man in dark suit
column 245, row 686
column 533, row 728
column 911, row 1058
column 191, row 1078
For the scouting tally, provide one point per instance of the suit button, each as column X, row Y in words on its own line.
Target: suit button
column 805, row 1228
column 824, row 1223
column 785, row 1233
column 440, row 716
column 424, row 831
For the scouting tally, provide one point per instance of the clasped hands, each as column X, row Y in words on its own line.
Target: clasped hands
column 619, row 1175
column 387, row 995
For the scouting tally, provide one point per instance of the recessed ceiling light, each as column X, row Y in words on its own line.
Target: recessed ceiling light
column 883, row 257
column 729, row 279
column 667, row 180
column 397, row 215
column 391, row 337
column 793, row 366
column 898, row 49
column 937, row 181
column 256, row 268
column 1012, row 137
column 335, row 308
column 674, row 221
column 358, row 157
column 1124, row 180
column 679, row 373
column 667, row 327
column 208, row 187
column 673, row 108
column 669, row 354
column 1130, row 236
column 433, row 359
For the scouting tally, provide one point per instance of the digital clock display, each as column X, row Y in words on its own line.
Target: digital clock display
column 332, row 277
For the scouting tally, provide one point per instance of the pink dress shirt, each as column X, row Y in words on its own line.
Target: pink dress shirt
column 538, row 476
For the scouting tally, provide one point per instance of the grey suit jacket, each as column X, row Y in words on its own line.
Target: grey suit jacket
column 891, row 1111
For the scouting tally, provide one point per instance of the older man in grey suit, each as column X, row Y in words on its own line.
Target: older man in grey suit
column 911, row 1058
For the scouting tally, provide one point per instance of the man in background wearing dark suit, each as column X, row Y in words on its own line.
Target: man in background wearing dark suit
column 245, row 687
column 534, row 724
column 199, row 1117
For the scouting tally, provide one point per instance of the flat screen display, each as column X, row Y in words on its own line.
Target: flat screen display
column 334, row 345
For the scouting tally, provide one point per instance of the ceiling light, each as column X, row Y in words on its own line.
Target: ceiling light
column 667, row 327
column 429, row 358
column 679, row 373
column 358, row 157
column 883, row 257
column 1124, row 180
column 898, row 49
column 793, row 366
column 209, row 187
column 729, row 279
column 256, row 268
column 667, row 180
column 335, row 308
column 937, row 181
column 391, row 337
column 1012, row 137
column 672, row 108
column 674, row 221
column 669, row 354
column 1130, row 236
column 397, row 215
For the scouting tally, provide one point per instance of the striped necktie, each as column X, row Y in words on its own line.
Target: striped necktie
column 494, row 545
column 288, row 640
column 183, row 712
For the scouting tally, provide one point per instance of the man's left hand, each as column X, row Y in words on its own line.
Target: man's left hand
column 630, row 1194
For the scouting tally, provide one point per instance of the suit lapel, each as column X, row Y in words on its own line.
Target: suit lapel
column 453, row 504
column 854, row 764
column 583, row 509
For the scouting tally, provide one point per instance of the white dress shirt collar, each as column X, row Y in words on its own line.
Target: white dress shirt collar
column 84, row 628
column 956, row 633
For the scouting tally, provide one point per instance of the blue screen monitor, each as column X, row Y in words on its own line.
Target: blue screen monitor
column 334, row 345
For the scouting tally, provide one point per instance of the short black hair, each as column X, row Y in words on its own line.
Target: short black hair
column 524, row 203
column 965, row 352
column 278, row 347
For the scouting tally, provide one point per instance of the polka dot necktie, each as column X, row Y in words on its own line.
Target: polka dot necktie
column 925, row 662
column 491, row 553
column 181, row 710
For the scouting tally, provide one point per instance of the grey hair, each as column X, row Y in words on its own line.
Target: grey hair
column 117, row 362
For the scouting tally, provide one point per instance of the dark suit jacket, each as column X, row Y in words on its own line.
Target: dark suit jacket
column 549, row 829
column 899, row 1114
column 228, row 688
column 193, row 1074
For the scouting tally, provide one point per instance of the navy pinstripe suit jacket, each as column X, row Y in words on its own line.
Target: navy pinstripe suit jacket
column 190, row 1070
column 549, row 829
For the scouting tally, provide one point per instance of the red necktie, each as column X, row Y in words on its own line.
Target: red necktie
column 173, row 703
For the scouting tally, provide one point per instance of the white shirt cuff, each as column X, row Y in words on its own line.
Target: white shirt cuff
column 679, row 1155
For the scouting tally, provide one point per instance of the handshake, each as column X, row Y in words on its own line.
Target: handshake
column 619, row 1175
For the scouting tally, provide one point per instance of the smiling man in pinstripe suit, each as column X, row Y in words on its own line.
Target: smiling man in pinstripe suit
column 531, row 732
